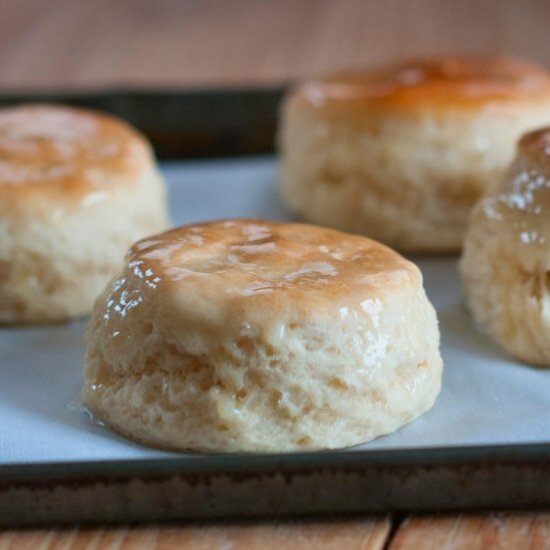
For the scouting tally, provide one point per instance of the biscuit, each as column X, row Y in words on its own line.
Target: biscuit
column 245, row 335
column 401, row 154
column 77, row 188
column 506, row 259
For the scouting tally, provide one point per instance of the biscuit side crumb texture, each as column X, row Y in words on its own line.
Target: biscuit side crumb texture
column 252, row 336
column 506, row 260
column 401, row 154
column 76, row 190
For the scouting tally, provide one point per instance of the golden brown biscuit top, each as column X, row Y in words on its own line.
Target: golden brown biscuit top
column 71, row 148
column 440, row 82
column 521, row 203
column 230, row 261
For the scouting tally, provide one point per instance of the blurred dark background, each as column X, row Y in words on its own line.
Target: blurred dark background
column 87, row 44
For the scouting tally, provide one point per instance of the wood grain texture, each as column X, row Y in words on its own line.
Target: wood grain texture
column 81, row 43
column 367, row 534
column 479, row 532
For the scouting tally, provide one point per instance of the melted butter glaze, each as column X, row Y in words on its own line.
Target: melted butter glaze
column 250, row 258
column 522, row 201
column 457, row 81
column 71, row 150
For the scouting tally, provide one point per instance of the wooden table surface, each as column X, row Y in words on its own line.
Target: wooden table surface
column 83, row 43
column 102, row 43
column 462, row 532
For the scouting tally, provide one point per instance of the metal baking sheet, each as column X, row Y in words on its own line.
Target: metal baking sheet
column 484, row 444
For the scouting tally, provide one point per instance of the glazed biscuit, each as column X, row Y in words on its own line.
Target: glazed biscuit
column 245, row 335
column 506, row 259
column 401, row 154
column 76, row 189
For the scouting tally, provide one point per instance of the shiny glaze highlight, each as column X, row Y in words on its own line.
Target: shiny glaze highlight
column 250, row 258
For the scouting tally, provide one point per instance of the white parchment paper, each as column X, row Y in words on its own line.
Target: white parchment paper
column 487, row 398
